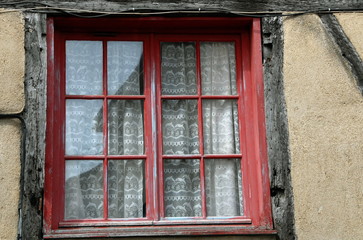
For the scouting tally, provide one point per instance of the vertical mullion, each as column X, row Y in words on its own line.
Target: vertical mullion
column 157, row 160
column 149, row 105
column 105, row 132
column 200, row 129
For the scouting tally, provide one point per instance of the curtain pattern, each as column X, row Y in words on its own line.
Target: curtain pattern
column 83, row 189
column 180, row 127
column 182, row 188
column 178, row 67
column 84, row 127
column 84, row 67
column 126, row 189
column 126, row 181
column 125, row 68
column 218, row 68
column 223, row 182
column 220, row 131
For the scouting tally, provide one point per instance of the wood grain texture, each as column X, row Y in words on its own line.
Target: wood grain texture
column 34, row 116
column 230, row 5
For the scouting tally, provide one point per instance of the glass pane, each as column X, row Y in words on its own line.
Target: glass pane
column 180, row 127
column 126, row 189
column 84, row 127
column 126, row 127
column 84, row 67
column 220, row 127
column 218, row 63
column 223, row 180
column 178, row 68
column 182, row 196
column 83, row 189
column 125, row 68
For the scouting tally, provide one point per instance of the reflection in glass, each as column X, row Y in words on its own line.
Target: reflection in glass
column 83, row 189
column 223, row 181
column 220, row 127
column 84, row 131
column 218, row 63
column 125, row 68
column 178, row 68
column 125, row 127
column 126, row 189
column 84, row 67
column 182, row 196
column 180, row 127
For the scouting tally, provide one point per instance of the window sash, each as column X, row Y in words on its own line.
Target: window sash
column 240, row 30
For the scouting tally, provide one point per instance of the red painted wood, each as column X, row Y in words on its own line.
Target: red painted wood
column 200, row 132
column 154, row 128
column 49, row 221
column 160, row 159
column 105, row 129
column 245, row 32
column 148, row 132
column 260, row 126
column 121, row 97
column 60, row 126
column 241, row 79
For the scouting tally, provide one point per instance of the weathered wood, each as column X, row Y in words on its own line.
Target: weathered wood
column 229, row 5
column 346, row 48
column 34, row 116
column 277, row 129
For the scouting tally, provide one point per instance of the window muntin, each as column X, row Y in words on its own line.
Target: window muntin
column 104, row 123
column 199, row 117
column 193, row 122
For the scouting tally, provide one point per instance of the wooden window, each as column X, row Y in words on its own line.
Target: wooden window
column 155, row 126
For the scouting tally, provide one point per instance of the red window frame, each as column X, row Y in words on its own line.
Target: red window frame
column 246, row 33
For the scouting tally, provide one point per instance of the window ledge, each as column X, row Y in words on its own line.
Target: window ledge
column 157, row 231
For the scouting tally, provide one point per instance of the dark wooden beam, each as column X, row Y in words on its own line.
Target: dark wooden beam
column 346, row 48
column 203, row 5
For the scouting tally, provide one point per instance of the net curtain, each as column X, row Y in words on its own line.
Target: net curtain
column 182, row 195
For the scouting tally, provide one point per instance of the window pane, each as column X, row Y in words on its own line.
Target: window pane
column 126, row 189
column 125, row 68
column 126, row 127
column 178, row 68
column 83, row 189
column 182, row 197
column 84, row 67
column 218, row 63
column 223, row 181
column 180, row 127
column 84, row 127
column 220, row 127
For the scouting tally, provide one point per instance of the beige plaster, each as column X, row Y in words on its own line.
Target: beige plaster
column 352, row 24
column 9, row 177
column 12, row 58
column 325, row 119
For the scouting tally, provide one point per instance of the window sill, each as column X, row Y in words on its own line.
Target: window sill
column 137, row 231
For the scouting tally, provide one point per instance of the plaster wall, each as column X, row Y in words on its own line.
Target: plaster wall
column 11, row 101
column 325, row 116
column 352, row 24
column 9, row 177
column 12, row 58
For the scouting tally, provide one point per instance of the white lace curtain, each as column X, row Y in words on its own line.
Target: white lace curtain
column 126, row 192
